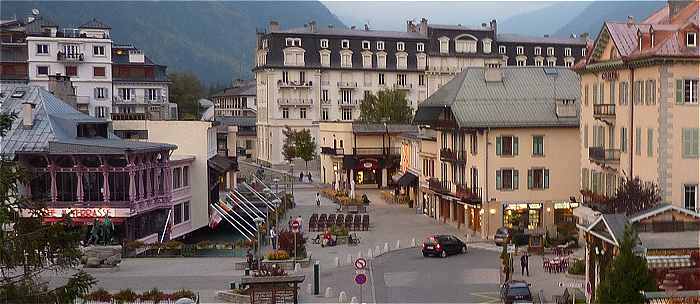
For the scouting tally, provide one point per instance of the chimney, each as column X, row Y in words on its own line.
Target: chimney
column 493, row 25
column 493, row 74
column 546, row 35
column 483, row 25
column 675, row 6
column 630, row 20
column 572, row 36
column 584, row 35
column 423, row 28
column 27, row 116
column 312, row 26
column 366, row 27
column 410, row 27
column 274, row 26
column 62, row 88
column 352, row 27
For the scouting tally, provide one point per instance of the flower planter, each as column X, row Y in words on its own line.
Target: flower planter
column 231, row 297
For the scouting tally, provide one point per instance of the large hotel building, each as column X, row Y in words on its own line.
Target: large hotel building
column 312, row 74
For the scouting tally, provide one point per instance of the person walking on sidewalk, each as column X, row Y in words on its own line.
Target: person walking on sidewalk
column 273, row 237
column 524, row 269
column 308, row 175
column 318, row 199
column 301, row 177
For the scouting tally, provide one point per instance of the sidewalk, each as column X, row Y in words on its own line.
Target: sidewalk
column 549, row 283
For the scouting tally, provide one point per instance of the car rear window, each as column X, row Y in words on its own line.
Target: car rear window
column 430, row 240
column 502, row 231
column 519, row 292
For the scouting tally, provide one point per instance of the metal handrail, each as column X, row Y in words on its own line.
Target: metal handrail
column 250, row 203
column 260, row 196
column 226, row 216
column 242, row 208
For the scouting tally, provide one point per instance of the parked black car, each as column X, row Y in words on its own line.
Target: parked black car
column 503, row 236
column 442, row 246
column 516, row 292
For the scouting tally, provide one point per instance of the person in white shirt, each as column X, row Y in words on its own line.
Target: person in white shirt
column 273, row 237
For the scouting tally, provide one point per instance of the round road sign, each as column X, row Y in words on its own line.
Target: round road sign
column 295, row 226
column 360, row 279
column 360, row 263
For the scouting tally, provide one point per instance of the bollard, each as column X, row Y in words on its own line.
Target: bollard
column 354, row 300
column 297, row 268
column 413, row 242
column 398, row 244
column 343, row 298
column 359, row 254
column 369, row 253
column 337, row 261
column 309, row 288
column 349, row 259
column 317, row 278
column 329, row 292
column 386, row 247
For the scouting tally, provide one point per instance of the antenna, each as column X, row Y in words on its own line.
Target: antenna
column 35, row 11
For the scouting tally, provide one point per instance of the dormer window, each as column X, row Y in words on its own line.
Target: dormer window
column 538, row 51
column 444, row 45
column 520, row 50
column 264, row 43
column 293, row 42
column 324, row 43
column 365, row 45
column 691, row 39
column 420, row 47
column 501, row 49
column 567, row 52
column 583, row 52
column 400, row 46
column 380, row 45
column 345, row 44
column 550, row 51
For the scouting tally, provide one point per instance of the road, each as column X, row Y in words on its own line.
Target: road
column 405, row 276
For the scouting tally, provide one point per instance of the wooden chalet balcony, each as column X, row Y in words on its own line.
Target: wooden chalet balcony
column 604, row 112
column 449, row 155
column 604, row 156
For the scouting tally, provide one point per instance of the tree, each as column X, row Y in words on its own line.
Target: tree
column 31, row 247
column 305, row 146
column 289, row 148
column 185, row 91
column 390, row 106
column 627, row 275
column 633, row 196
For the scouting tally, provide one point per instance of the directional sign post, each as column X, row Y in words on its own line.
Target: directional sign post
column 360, row 263
column 360, row 279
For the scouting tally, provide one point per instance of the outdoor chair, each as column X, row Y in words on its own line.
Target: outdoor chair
column 340, row 220
column 357, row 222
column 331, row 220
column 365, row 222
column 348, row 221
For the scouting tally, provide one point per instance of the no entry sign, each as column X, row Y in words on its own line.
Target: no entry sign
column 295, row 226
column 360, row 279
column 360, row 263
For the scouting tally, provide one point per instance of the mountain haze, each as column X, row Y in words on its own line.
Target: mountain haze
column 215, row 40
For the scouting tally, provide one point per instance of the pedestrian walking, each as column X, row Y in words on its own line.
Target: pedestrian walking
column 308, row 175
column 524, row 269
column 273, row 237
column 301, row 177
column 318, row 199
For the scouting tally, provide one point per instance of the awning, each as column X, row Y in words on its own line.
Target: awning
column 676, row 261
column 222, row 164
column 408, row 179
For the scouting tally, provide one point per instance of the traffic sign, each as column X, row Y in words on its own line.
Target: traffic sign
column 360, row 263
column 360, row 279
column 295, row 226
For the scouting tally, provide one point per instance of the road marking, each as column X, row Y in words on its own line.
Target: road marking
column 400, row 279
column 489, row 297
column 371, row 277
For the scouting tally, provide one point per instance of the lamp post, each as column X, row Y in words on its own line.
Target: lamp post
column 258, row 223
column 291, row 168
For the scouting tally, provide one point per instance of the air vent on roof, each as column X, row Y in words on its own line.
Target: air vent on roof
column 18, row 94
column 551, row 71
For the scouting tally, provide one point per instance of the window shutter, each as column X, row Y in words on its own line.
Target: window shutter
column 499, row 183
column 529, row 179
column 515, row 179
column 679, row 91
column 94, row 93
column 546, row 178
column 595, row 93
column 498, row 145
column 515, row 145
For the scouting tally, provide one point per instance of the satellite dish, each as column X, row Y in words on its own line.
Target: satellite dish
column 35, row 12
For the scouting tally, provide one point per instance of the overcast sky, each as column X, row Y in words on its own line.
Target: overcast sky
column 392, row 15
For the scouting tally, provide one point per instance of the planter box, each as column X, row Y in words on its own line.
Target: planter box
column 284, row 264
column 230, row 297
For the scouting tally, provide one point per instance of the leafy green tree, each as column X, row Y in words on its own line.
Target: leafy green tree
column 289, row 147
column 627, row 275
column 186, row 90
column 390, row 106
column 305, row 146
column 29, row 247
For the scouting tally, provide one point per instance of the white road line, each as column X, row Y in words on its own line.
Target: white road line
column 371, row 277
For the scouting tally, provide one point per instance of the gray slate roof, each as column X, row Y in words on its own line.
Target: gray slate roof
column 247, row 88
column 325, row 31
column 380, row 128
column 527, row 97
column 537, row 39
column 95, row 24
column 617, row 223
column 55, row 125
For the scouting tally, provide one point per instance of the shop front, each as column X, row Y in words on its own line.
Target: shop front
column 367, row 172
column 523, row 215
column 473, row 216
column 430, row 203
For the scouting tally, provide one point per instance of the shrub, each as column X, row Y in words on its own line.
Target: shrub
column 204, row 244
column 339, row 230
column 124, row 296
column 277, row 255
column 174, row 244
column 578, row 267
column 101, row 295
column 182, row 293
column 133, row 245
column 286, row 242
column 154, row 295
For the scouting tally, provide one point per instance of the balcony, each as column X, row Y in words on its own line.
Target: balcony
column 295, row 101
column 605, row 112
column 332, row 151
column 347, row 85
column 70, row 57
column 130, row 116
column 82, row 100
column 326, row 102
column 405, row 86
column 604, row 156
column 467, row 194
column 447, row 154
column 348, row 103
column 294, row 84
column 436, row 185
column 138, row 100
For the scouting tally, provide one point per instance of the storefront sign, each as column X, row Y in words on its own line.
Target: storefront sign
column 516, row 206
column 535, row 206
column 565, row 205
column 609, row 75
column 367, row 165
column 83, row 212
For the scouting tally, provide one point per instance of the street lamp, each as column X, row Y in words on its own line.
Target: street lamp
column 258, row 223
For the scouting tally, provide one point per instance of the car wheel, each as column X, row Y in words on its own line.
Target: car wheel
column 443, row 254
column 425, row 255
column 464, row 249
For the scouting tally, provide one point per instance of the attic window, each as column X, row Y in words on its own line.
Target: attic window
column 17, row 94
column 91, row 130
column 691, row 39
column 345, row 44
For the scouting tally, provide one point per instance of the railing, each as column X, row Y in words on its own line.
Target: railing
column 469, row 194
column 347, row 85
column 602, row 155
column 332, row 151
column 295, row 101
column 405, row 86
column 604, row 109
column 325, row 102
column 138, row 100
column 294, row 84
column 70, row 57
column 449, row 155
column 435, row 184
column 130, row 116
column 350, row 103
